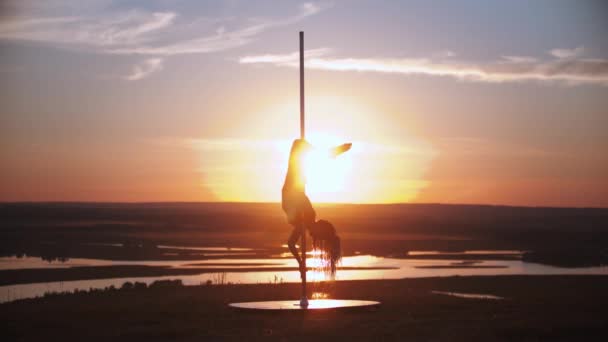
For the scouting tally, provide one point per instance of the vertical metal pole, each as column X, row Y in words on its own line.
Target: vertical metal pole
column 302, row 136
column 302, row 126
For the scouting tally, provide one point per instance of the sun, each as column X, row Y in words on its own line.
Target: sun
column 377, row 169
column 326, row 176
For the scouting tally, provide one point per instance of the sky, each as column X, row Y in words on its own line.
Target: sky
column 484, row 102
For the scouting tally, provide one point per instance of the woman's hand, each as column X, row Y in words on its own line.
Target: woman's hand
column 338, row 150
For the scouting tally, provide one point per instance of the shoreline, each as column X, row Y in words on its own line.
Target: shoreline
column 42, row 275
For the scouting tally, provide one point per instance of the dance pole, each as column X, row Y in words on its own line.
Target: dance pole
column 302, row 136
column 302, row 126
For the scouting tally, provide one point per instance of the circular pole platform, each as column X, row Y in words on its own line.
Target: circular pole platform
column 313, row 304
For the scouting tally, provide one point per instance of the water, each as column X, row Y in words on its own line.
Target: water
column 13, row 263
column 468, row 295
column 512, row 253
column 208, row 249
column 397, row 269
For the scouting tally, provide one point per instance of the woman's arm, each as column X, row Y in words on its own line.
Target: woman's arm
column 338, row 150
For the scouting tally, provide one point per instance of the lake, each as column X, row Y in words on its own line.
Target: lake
column 272, row 270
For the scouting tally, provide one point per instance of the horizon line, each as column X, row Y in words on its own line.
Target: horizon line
column 319, row 203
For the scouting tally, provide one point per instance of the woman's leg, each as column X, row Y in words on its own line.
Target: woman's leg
column 298, row 230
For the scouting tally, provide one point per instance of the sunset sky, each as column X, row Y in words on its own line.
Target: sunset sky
column 490, row 102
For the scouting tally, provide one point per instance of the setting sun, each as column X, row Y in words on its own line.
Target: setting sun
column 379, row 168
column 326, row 176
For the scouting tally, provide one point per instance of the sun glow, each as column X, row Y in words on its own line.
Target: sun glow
column 377, row 169
column 326, row 176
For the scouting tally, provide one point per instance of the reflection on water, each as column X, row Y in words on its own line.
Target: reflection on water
column 319, row 295
column 496, row 252
column 313, row 304
column 216, row 254
column 475, row 252
column 101, row 244
column 401, row 268
column 13, row 263
column 468, row 295
column 207, row 249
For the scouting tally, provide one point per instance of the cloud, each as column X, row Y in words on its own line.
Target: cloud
column 519, row 59
column 144, row 69
column 222, row 39
column 568, row 70
column 291, row 59
column 135, row 32
column 123, row 29
column 568, row 53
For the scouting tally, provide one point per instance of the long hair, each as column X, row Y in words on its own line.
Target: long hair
column 327, row 242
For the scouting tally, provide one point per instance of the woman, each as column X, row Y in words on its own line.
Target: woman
column 299, row 210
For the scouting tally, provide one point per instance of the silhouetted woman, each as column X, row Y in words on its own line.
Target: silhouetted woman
column 299, row 210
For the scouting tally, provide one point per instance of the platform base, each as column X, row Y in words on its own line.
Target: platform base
column 313, row 304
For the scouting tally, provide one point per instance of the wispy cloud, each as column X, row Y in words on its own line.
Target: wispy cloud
column 124, row 29
column 568, row 53
column 566, row 69
column 144, row 69
column 291, row 59
column 221, row 39
column 519, row 59
column 138, row 32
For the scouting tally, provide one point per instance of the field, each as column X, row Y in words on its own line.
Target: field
column 533, row 308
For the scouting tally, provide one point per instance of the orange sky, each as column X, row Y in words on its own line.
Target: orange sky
column 198, row 102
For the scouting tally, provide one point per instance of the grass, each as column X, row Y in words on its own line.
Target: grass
column 535, row 308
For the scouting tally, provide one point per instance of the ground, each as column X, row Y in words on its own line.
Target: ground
column 535, row 308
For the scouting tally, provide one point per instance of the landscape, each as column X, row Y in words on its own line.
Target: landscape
column 303, row 170
column 186, row 261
